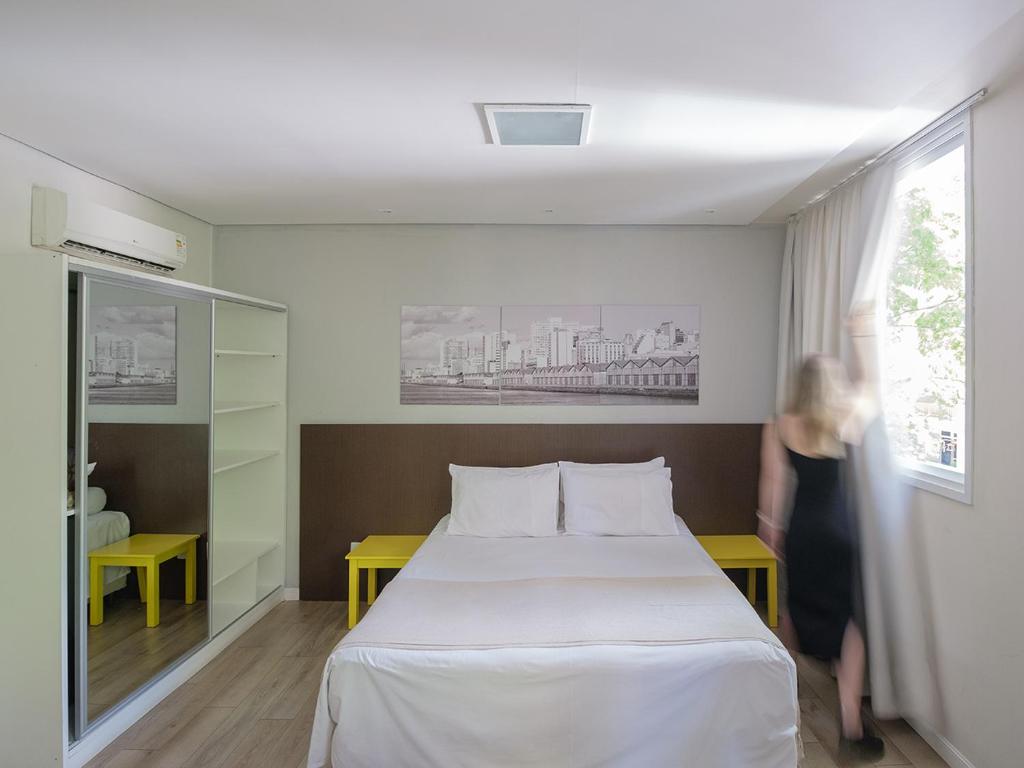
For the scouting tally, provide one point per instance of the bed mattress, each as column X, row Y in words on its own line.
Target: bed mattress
column 571, row 651
column 104, row 528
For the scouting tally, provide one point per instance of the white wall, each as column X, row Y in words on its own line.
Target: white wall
column 32, row 455
column 345, row 285
column 974, row 552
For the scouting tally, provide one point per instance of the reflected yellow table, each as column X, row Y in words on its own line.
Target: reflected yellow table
column 144, row 552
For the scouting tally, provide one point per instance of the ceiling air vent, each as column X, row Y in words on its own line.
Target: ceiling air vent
column 538, row 125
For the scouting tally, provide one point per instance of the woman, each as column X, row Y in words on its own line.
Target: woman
column 827, row 413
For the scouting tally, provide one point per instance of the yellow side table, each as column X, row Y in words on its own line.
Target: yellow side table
column 748, row 552
column 144, row 552
column 372, row 553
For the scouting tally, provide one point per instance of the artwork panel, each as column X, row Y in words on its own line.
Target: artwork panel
column 660, row 363
column 601, row 355
column 447, row 355
column 132, row 355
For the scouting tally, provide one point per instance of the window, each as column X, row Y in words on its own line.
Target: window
column 926, row 341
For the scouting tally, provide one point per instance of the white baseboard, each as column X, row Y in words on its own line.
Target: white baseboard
column 120, row 721
column 291, row 593
column 941, row 745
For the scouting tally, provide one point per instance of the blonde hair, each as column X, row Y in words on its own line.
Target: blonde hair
column 818, row 401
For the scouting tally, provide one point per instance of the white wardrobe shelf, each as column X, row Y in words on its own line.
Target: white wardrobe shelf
column 236, row 406
column 244, row 353
column 229, row 557
column 247, row 527
column 225, row 458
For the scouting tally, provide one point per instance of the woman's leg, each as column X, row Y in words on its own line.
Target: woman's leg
column 850, row 678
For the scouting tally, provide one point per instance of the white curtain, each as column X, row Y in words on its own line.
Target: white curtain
column 835, row 257
column 818, row 273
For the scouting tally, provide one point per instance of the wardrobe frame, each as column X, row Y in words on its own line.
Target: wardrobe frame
column 82, row 738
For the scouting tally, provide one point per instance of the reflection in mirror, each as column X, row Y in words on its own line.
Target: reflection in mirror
column 147, row 507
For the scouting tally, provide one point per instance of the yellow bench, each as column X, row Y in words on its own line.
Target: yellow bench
column 144, row 552
column 372, row 553
column 748, row 552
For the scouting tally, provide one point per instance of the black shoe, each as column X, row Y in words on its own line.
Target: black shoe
column 868, row 748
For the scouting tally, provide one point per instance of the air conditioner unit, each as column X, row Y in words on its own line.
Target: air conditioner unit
column 78, row 227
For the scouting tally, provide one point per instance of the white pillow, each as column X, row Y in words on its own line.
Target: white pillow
column 643, row 466
column 498, row 502
column 96, row 500
column 616, row 503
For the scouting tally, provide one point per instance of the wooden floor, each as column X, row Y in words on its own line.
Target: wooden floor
column 819, row 714
column 124, row 653
column 253, row 705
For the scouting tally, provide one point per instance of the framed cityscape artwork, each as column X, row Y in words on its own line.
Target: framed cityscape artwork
column 133, row 355
column 551, row 355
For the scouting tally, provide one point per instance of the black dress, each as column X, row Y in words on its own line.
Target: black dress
column 819, row 557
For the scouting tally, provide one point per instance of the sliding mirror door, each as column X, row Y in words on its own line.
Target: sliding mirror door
column 142, row 516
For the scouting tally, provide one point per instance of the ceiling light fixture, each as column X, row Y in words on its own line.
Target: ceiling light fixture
column 538, row 125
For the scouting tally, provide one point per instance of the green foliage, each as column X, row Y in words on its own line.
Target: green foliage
column 922, row 270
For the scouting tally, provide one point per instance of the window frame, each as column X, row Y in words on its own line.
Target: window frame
column 928, row 476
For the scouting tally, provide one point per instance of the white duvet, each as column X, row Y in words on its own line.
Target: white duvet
column 666, row 664
column 104, row 528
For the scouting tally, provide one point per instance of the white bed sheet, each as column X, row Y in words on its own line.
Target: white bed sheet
column 717, row 704
column 104, row 528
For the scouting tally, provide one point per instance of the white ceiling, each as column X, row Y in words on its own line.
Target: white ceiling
column 321, row 111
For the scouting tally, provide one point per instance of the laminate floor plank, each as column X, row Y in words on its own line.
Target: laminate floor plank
column 128, row 758
column 233, row 731
column 255, row 748
column 248, row 680
column 322, row 637
column 244, row 718
column 288, row 705
column 292, row 749
column 176, row 750
column 816, row 756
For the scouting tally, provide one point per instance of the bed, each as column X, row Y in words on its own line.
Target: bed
column 106, row 527
column 565, row 650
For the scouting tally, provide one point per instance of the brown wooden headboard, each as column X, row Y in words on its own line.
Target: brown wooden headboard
column 361, row 479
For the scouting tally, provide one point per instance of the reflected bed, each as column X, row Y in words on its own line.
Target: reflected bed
column 105, row 528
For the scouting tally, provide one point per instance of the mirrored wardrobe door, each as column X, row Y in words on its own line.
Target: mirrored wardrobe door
column 143, row 488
